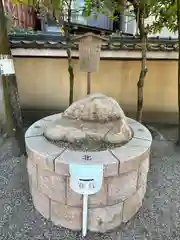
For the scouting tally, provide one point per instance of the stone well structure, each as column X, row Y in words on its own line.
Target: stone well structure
column 121, row 144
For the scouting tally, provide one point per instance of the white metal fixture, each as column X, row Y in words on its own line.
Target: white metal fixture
column 85, row 179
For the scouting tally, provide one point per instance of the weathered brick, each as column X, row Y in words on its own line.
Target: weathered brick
column 129, row 165
column 73, row 199
column 140, row 131
column 120, row 188
column 96, row 200
column 100, row 198
column 131, row 154
column 31, row 167
column 66, row 216
column 104, row 219
column 52, row 185
column 61, row 167
column 42, row 151
column 32, row 172
column 111, row 164
column 41, row 203
column 36, row 129
column 111, row 169
column 132, row 204
column 143, row 172
column 99, row 219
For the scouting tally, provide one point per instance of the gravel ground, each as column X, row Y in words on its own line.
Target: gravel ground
column 159, row 218
column 88, row 144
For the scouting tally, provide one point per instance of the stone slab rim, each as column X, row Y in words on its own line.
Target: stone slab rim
column 134, row 150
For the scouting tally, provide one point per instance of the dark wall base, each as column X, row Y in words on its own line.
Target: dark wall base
column 32, row 115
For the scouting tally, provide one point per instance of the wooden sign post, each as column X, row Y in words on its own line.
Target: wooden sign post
column 89, row 55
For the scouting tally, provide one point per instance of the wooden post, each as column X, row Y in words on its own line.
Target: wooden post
column 89, row 55
column 14, row 124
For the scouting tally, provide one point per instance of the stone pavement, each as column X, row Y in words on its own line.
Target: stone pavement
column 159, row 218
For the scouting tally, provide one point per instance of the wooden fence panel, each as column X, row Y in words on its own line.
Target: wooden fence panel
column 23, row 15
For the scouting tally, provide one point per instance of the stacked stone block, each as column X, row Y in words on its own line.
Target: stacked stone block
column 124, row 183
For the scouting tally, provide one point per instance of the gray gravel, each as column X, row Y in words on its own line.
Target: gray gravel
column 159, row 218
column 87, row 144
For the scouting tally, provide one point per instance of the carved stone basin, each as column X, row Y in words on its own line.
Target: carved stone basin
column 97, row 127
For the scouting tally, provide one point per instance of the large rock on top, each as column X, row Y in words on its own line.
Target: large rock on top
column 95, row 116
column 95, row 107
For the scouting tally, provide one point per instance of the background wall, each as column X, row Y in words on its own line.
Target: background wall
column 44, row 84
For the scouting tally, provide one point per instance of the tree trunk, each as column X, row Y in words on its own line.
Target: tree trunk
column 178, row 21
column 143, row 72
column 88, row 83
column 70, row 66
column 14, row 122
column 71, row 76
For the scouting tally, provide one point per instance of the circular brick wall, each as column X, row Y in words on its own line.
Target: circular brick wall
column 124, row 183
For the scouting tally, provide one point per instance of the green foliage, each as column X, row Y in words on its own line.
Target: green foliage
column 165, row 15
column 164, row 12
column 88, row 7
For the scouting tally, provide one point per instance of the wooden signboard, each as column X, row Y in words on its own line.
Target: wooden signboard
column 89, row 52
